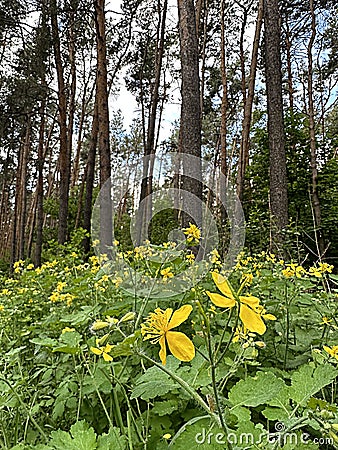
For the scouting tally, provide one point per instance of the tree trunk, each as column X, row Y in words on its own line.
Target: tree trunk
column 106, row 220
column 314, row 172
column 249, row 98
column 64, row 158
column 90, row 173
column 224, row 110
column 190, row 125
column 288, row 65
column 145, row 206
column 273, row 74
column 39, row 204
column 71, row 108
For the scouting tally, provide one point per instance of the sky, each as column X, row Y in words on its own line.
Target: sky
column 126, row 102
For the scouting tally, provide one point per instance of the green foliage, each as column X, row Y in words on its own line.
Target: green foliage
column 76, row 371
column 256, row 201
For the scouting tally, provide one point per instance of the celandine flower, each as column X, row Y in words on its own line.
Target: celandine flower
column 166, row 273
column 251, row 312
column 102, row 350
column 158, row 328
column 333, row 351
column 193, row 233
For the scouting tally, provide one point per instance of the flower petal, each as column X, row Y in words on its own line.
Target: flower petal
column 179, row 316
column 269, row 317
column 95, row 350
column 107, row 357
column 180, row 346
column 249, row 300
column 163, row 351
column 221, row 301
column 222, row 284
column 252, row 320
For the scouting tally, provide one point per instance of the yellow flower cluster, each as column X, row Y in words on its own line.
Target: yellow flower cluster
column 292, row 270
column 57, row 296
column 318, row 271
column 5, row 292
column 190, row 257
column 193, row 233
column 142, row 252
column 18, row 266
column 46, row 265
column 332, row 351
column 215, row 257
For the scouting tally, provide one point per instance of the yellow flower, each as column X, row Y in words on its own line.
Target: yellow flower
column 166, row 273
column 54, row 297
column 325, row 267
column 2, row 308
column 190, row 258
column 104, row 351
column 288, row 272
column 247, row 278
column 158, row 328
column 61, row 285
column 167, row 436
column 30, row 266
column 251, row 312
column 333, row 351
column 193, row 233
column 315, row 271
column 67, row 330
column 325, row 321
column 18, row 264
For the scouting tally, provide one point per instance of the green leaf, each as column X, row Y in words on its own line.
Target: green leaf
column 67, row 349
column 154, row 382
column 112, row 441
column 256, row 390
column 80, row 437
column 124, row 348
column 165, row 408
column 243, row 414
column 44, row 342
column 308, row 380
column 201, row 434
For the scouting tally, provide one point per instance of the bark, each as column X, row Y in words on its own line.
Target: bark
column 249, row 98
column 224, row 110
column 71, row 108
column 64, row 158
column 23, row 191
column 288, row 44
column 278, row 180
column 90, row 174
column 106, row 223
column 145, row 207
column 314, row 171
column 39, row 203
column 203, row 54
column 190, row 125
